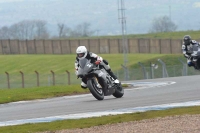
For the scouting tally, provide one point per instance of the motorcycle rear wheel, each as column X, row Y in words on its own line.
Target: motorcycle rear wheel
column 96, row 92
column 119, row 91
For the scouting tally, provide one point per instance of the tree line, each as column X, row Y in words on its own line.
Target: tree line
column 37, row 29
column 162, row 24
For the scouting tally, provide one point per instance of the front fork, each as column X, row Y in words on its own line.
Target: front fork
column 97, row 83
column 94, row 78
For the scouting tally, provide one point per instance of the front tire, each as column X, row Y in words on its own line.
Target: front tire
column 96, row 92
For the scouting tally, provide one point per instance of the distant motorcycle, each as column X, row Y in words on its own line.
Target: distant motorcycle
column 196, row 55
column 99, row 82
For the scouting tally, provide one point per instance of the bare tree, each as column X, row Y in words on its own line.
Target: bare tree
column 77, row 32
column 15, row 32
column 63, row 31
column 36, row 29
column 26, row 29
column 61, row 27
column 4, row 33
column 82, row 30
column 41, row 30
column 86, row 29
column 29, row 29
column 162, row 24
column 22, row 30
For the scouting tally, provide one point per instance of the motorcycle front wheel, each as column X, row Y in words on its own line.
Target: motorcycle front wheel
column 96, row 92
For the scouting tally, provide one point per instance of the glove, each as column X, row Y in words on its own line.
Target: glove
column 97, row 62
column 190, row 64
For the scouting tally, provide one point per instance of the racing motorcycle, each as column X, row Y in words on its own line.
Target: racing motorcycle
column 196, row 56
column 99, row 82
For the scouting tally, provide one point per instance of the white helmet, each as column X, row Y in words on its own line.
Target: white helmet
column 81, row 52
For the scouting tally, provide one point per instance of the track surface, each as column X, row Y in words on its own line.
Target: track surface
column 144, row 93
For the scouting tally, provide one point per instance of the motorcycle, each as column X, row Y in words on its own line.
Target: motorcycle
column 196, row 56
column 99, row 82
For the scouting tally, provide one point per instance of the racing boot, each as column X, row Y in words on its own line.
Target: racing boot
column 83, row 85
column 108, row 69
column 116, row 81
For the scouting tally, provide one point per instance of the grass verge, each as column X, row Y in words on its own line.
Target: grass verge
column 22, row 94
column 97, row 121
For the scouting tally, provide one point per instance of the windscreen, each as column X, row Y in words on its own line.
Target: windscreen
column 83, row 62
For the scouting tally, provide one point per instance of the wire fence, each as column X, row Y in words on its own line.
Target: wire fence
column 152, row 71
column 161, row 71
column 31, row 80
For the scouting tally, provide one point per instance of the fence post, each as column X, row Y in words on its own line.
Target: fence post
column 185, row 71
column 8, row 79
column 164, row 70
column 108, row 46
column 143, row 69
column 10, row 52
column 27, row 48
column 126, row 75
column 38, row 81
column 53, row 74
column 22, row 78
column 152, row 67
column 68, row 73
column 151, row 71
column 52, row 47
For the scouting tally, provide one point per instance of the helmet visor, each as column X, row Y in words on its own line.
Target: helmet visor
column 80, row 55
column 187, row 41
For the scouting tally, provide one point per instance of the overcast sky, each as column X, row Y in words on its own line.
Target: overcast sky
column 102, row 14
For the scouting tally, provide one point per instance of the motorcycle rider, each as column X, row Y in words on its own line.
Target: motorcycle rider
column 82, row 53
column 187, row 50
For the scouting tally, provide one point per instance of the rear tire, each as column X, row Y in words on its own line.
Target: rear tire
column 119, row 91
column 96, row 92
column 198, row 64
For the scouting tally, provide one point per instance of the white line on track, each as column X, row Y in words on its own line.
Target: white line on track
column 145, row 85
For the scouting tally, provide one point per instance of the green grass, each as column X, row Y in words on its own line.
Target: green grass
column 41, row 63
column 28, row 64
column 22, row 94
column 164, row 35
column 97, row 121
column 169, row 60
column 168, row 35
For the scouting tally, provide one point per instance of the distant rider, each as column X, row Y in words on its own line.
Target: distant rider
column 187, row 49
column 82, row 53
